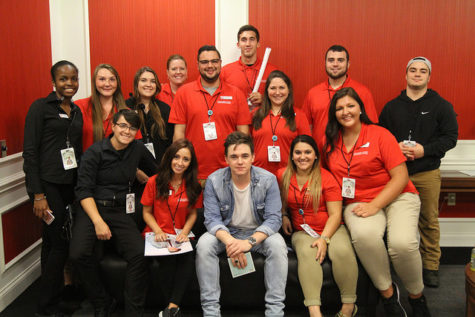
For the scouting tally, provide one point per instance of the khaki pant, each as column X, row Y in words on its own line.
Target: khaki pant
column 399, row 220
column 344, row 266
column 428, row 185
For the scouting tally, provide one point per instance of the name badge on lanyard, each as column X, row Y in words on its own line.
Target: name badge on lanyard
column 209, row 130
column 69, row 158
column 130, row 203
column 149, row 147
column 273, row 153
column 309, row 230
column 348, row 187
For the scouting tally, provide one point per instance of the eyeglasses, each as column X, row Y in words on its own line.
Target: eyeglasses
column 206, row 62
column 125, row 126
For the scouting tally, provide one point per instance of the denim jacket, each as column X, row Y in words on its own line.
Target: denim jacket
column 219, row 201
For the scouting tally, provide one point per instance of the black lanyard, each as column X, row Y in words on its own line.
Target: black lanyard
column 173, row 215
column 274, row 128
column 210, row 111
column 68, row 143
column 251, row 87
column 302, row 205
column 352, row 153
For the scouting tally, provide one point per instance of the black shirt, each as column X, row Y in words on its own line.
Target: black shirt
column 108, row 174
column 159, row 144
column 46, row 129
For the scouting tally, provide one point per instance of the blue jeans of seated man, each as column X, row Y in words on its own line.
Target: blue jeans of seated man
column 275, row 271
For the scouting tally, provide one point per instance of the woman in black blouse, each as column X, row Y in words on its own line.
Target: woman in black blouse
column 51, row 150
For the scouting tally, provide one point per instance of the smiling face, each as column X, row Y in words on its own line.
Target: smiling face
column 106, row 82
column 278, row 91
column 348, row 112
column 336, row 64
column 147, row 85
column 209, row 66
column 304, row 157
column 417, row 75
column 239, row 159
column 181, row 161
column 177, row 72
column 66, row 81
column 248, row 44
column 124, row 133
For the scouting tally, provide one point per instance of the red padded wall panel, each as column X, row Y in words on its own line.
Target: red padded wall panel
column 381, row 37
column 25, row 60
column 132, row 34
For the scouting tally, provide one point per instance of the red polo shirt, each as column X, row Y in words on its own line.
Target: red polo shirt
column 167, row 210
column 190, row 107
column 376, row 153
column 317, row 103
column 299, row 199
column 244, row 77
column 166, row 95
column 87, row 131
column 263, row 138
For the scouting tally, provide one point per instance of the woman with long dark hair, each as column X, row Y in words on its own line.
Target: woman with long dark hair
column 169, row 203
column 379, row 198
column 276, row 123
column 312, row 212
column 51, row 150
column 157, row 133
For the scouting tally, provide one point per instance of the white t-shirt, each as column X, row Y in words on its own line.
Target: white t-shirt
column 243, row 216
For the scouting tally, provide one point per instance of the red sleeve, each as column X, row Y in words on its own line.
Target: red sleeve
column 302, row 124
column 280, row 175
column 391, row 153
column 178, row 111
column 307, row 109
column 331, row 191
column 244, row 116
column 149, row 192
column 199, row 202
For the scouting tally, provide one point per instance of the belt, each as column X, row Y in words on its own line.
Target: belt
column 110, row 203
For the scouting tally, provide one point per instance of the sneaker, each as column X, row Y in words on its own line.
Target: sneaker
column 430, row 277
column 419, row 307
column 170, row 312
column 392, row 305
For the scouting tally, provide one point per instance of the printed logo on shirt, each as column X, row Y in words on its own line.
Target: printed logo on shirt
column 365, row 145
column 63, row 115
column 226, row 97
column 361, row 153
column 422, row 112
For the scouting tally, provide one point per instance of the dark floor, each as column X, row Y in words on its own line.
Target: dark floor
column 446, row 301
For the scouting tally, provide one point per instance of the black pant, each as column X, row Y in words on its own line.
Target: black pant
column 54, row 249
column 176, row 272
column 129, row 244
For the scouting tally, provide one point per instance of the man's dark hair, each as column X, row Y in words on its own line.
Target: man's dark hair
column 207, row 48
column 248, row 27
column 236, row 138
column 130, row 116
column 338, row 48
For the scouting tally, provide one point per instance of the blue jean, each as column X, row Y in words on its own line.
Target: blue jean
column 275, row 271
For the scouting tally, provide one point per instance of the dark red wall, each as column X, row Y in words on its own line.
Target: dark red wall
column 132, row 34
column 381, row 37
column 25, row 60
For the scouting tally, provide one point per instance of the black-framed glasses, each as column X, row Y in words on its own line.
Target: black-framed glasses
column 205, row 62
column 125, row 126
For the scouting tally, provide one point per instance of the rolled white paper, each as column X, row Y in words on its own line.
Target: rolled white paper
column 262, row 70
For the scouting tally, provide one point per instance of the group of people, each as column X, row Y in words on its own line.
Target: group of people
column 326, row 173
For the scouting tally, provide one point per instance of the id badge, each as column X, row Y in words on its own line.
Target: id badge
column 273, row 153
column 409, row 143
column 309, row 230
column 149, row 147
column 209, row 130
column 348, row 187
column 69, row 158
column 130, row 203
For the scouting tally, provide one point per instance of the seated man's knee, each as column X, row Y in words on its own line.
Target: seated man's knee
column 275, row 244
column 206, row 245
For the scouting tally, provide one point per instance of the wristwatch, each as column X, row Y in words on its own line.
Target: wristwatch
column 252, row 241
column 327, row 239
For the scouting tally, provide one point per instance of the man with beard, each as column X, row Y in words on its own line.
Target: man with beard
column 425, row 126
column 207, row 110
column 317, row 101
column 243, row 73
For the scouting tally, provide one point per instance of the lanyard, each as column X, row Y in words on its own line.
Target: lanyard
column 176, row 208
column 352, row 153
column 68, row 143
column 210, row 111
column 274, row 128
column 250, row 86
column 302, row 205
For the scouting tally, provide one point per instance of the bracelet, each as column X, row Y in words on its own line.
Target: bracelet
column 38, row 199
